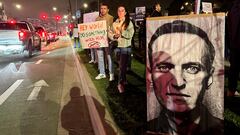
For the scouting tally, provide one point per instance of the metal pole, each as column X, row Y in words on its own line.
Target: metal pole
column 70, row 6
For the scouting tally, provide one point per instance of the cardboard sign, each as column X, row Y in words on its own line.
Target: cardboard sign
column 93, row 35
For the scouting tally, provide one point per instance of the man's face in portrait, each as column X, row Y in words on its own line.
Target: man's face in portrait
column 178, row 71
column 103, row 10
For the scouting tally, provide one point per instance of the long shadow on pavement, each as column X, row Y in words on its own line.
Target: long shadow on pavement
column 75, row 116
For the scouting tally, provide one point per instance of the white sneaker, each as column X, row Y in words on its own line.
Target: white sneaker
column 91, row 61
column 100, row 76
column 111, row 77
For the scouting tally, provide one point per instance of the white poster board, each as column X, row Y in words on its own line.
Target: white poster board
column 140, row 13
column 93, row 34
column 207, row 7
column 90, row 17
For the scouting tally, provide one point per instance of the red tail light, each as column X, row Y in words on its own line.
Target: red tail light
column 43, row 34
column 21, row 35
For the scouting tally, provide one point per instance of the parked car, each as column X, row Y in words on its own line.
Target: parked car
column 43, row 34
column 18, row 37
column 53, row 36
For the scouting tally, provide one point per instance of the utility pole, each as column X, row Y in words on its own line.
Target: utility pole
column 70, row 8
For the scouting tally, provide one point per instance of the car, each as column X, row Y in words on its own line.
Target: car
column 53, row 36
column 43, row 34
column 18, row 38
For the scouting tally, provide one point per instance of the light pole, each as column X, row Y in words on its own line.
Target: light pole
column 85, row 6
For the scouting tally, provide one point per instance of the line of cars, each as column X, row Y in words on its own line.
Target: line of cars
column 21, row 37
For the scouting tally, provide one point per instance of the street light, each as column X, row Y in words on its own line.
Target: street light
column 54, row 9
column 73, row 17
column 18, row 6
column 65, row 16
column 85, row 5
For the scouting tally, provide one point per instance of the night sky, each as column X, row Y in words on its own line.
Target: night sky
column 33, row 8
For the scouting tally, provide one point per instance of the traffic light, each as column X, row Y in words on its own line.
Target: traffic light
column 43, row 16
column 70, row 25
column 57, row 18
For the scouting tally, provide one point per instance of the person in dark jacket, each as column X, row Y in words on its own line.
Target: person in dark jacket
column 234, row 47
column 157, row 10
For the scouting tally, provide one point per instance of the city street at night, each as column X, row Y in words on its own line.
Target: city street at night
column 122, row 67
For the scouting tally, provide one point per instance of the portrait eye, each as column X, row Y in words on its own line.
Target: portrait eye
column 163, row 68
column 192, row 69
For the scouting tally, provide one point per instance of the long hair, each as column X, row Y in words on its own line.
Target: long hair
column 127, row 18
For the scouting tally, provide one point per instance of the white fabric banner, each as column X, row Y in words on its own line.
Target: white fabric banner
column 185, row 71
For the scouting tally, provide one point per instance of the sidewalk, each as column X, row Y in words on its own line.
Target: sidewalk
column 102, row 123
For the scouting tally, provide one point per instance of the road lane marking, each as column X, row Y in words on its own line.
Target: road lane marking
column 37, row 87
column 39, row 61
column 34, row 94
column 9, row 91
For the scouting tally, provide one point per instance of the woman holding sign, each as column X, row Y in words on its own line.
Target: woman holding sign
column 122, row 32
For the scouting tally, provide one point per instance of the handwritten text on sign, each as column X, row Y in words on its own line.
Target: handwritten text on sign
column 93, row 34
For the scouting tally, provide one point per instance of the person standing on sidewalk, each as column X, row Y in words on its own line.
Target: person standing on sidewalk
column 157, row 10
column 123, row 31
column 234, row 36
column 76, row 36
column 100, row 51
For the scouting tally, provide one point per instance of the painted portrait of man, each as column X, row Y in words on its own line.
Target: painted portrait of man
column 181, row 67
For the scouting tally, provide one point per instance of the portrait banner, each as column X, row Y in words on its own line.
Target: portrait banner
column 140, row 13
column 185, row 74
column 93, row 34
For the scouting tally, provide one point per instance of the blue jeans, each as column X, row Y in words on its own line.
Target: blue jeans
column 92, row 53
column 76, row 39
column 124, row 58
column 100, row 55
column 101, row 65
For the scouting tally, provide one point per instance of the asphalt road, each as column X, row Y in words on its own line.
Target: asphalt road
column 42, row 95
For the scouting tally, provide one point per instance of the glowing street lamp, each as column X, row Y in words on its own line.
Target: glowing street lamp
column 73, row 17
column 85, row 5
column 18, row 6
column 65, row 16
column 54, row 9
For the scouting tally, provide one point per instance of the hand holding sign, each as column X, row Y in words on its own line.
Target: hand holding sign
column 93, row 35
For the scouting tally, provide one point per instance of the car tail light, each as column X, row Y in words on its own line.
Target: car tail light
column 43, row 34
column 21, row 35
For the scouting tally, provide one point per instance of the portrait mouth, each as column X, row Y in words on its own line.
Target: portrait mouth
column 177, row 94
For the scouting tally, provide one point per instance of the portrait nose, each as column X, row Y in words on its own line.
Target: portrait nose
column 179, row 82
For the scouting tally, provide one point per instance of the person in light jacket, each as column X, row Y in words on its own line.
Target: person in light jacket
column 122, row 32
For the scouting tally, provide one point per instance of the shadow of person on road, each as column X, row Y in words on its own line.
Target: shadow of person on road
column 75, row 116
column 40, row 118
